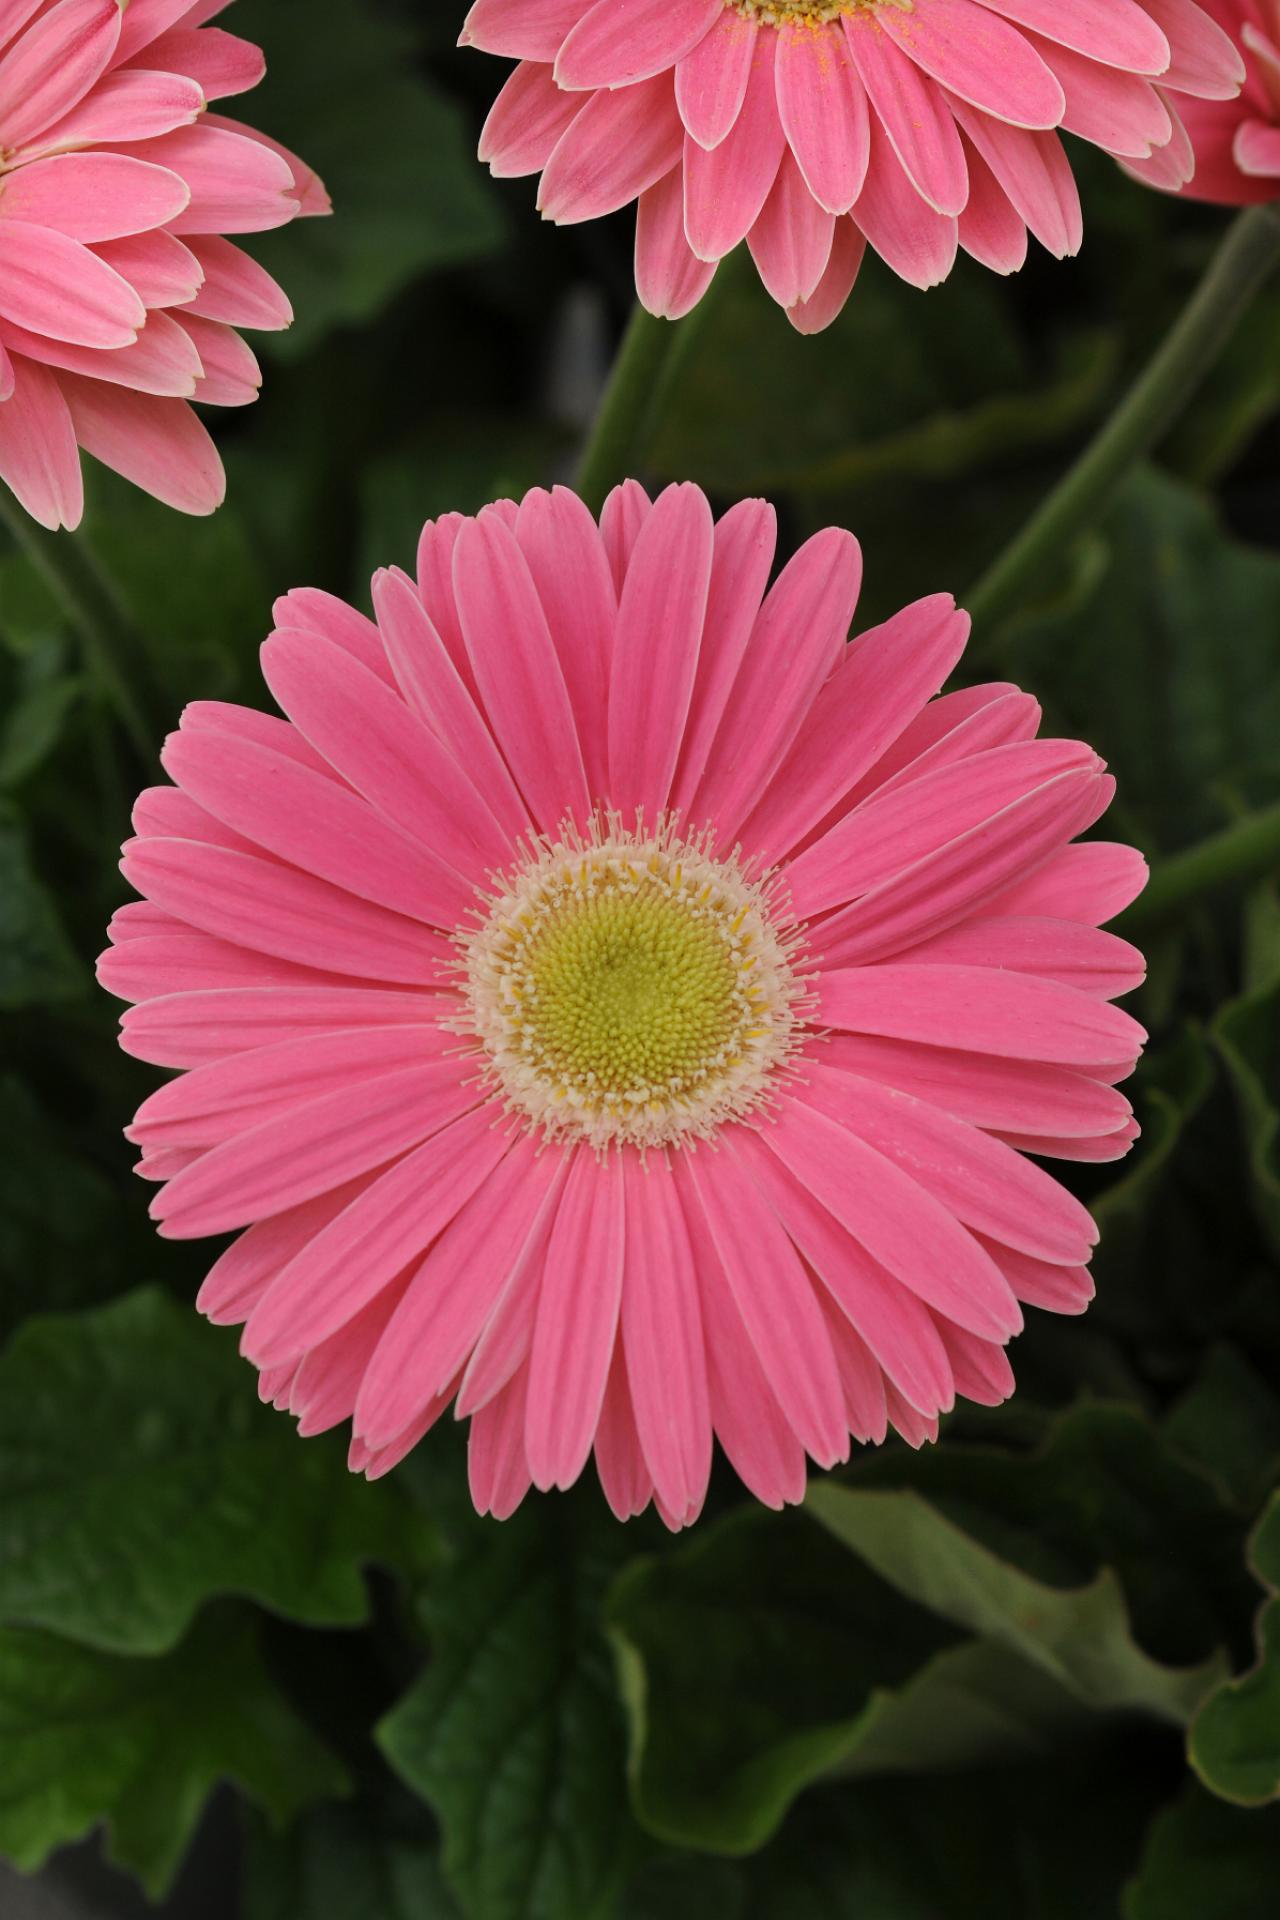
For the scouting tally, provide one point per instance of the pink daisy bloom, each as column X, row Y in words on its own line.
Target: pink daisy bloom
column 119, row 293
column 812, row 128
column 1236, row 142
column 615, row 1007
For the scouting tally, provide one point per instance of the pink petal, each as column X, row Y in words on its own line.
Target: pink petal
column 525, row 123
column 54, row 64
column 914, row 114
column 235, row 289
column 625, row 1480
column 670, row 278
column 976, row 54
column 1007, row 1096
column 39, row 458
column 1090, row 883
column 238, row 1279
column 827, row 301
column 617, row 146
column 521, row 29
column 711, row 80
column 157, row 444
column 792, row 239
column 914, row 241
column 655, row 657
column 576, row 1322
column 219, row 62
column 612, row 47
column 53, row 285
column 564, row 553
column 497, row 1469
column 726, row 187
column 823, row 108
column 187, row 1029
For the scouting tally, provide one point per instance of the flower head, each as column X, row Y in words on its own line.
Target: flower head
column 119, row 292
column 812, row 128
column 1235, row 143
column 615, row 1006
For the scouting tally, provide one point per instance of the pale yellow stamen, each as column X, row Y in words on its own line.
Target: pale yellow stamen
column 633, row 989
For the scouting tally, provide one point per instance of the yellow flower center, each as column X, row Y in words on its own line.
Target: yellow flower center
column 629, row 989
column 809, row 13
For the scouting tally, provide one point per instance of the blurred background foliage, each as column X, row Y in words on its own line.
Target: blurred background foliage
column 1034, row 1673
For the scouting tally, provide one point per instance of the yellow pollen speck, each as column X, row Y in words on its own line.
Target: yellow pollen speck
column 810, row 13
column 610, row 988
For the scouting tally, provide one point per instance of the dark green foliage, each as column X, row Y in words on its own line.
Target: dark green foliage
column 1033, row 1674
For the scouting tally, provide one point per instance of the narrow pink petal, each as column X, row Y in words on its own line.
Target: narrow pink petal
column 655, row 656
column 966, row 873
column 712, row 79
column 565, row 555
column 861, row 1379
column 160, row 269
column 94, row 196
column 576, row 1322
column 617, row 146
column 1120, row 33
column 181, row 962
column 158, row 444
column 1100, row 1149
column 666, row 1361
column 1038, row 1284
column 913, row 112
column 1010, row 719
column 328, row 1377
column 1034, row 172
column 895, row 1326
column 614, row 47
column 1008, row 1096
column 514, row 660
column 986, row 1185
column 991, row 231
column 932, row 724
column 776, row 1300
column 1206, row 62
column 497, row 1469
column 897, row 827
column 827, row 301
column 221, row 63
column 294, row 916
column 162, row 360
column 883, row 680
column 237, row 184
column 914, row 241
column 742, row 558
column 625, row 1480
column 188, row 1029
column 423, row 668
column 525, row 30
column 238, row 1279
column 981, row 1367
column 235, row 289
column 39, row 458
column 55, row 285
column 435, row 587
column 391, row 1223
column 792, row 239
column 454, row 1290
column 368, row 734
column 976, row 54
column 145, row 20
column 124, row 106
column 224, row 1097
column 525, row 122
column 316, row 825
column 1012, row 1015
column 900, row 1223
column 1122, row 112
column 328, row 1141
column 795, row 643
column 54, row 64
column 504, row 1345
column 622, row 516
column 231, row 376
column 823, row 108
column 670, row 278
column 750, row 1425
column 1067, row 951
column 311, row 610
column 726, row 187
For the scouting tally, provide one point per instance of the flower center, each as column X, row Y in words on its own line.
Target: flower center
column 812, row 13
column 630, row 989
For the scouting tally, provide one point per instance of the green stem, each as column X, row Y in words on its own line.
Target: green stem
column 113, row 647
column 1245, row 851
column 1248, row 253
column 623, row 424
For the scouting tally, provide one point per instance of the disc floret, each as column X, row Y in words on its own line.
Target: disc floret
column 632, row 987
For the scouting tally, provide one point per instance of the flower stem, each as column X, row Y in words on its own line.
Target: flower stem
column 112, row 646
column 1245, row 851
column 1248, row 253
column 623, row 424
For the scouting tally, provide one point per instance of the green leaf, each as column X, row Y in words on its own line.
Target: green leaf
column 140, row 1477
column 361, row 1860
column 88, row 1737
column 1103, row 1559
column 514, row 1733
column 37, row 962
column 39, row 695
column 1229, row 1421
column 1207, row 1861
column 1234, row 1740
column 59, row 1217
column 396, row 155
column 761, row 1656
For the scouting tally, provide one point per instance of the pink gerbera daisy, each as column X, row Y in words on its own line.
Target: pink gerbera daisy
column 119, row 294
column 811, row 128
column 1236, row 143
column 616, row 1007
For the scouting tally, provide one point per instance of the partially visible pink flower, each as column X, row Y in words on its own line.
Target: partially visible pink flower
column 812, row 128
column 119, row 293
column 617, row 1008
column 1236, row 142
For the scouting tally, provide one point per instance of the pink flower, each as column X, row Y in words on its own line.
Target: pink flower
column 615, row 1007
column 119, row 294
column 809, row 128
column 1236, row 143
